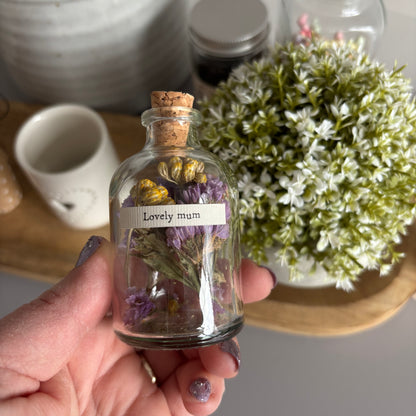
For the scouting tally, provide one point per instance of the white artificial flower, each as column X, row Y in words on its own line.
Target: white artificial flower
column 265, row 177
column 345, row 284
column 243, row 95
column 240, row 73
column 324, row 130
column 367, row 99
column 327, row 237
column 332, row 180
column 315, row 148
column 385, row 269
column 281, row 145
column 216, row 113
column 246, row 185
column 294, row 189
column 344, row 110
column 258, row 191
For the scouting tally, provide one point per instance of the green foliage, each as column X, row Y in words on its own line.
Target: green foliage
column 323, row 142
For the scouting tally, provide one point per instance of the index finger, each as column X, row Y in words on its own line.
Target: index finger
column 257, row 282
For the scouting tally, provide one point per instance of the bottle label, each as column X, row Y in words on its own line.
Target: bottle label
column 180, row 215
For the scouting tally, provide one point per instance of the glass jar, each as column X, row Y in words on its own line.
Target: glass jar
column 175, row 226
column 337, row 19
column 224, row 34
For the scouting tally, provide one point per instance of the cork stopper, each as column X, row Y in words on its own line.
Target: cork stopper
column 10, row 192
column 171, row 132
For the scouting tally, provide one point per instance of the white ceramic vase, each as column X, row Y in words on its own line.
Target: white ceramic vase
column 107, row 54
column 313, row 279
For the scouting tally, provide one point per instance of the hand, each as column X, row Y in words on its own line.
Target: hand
column 59, row 355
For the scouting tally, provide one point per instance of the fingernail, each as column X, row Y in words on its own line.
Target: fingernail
column 273, row 275
column 232, row 348
column 89, row 249
column 200, row 389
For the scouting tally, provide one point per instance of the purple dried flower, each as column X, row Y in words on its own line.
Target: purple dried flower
column 217, row 308
column 140, row 306
column 222, row 231
column 211, row 192
column 219, row 293
column 128, row 202
column 176, row 235
column 127, row 236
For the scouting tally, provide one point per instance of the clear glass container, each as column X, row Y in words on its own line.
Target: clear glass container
column 223, row 35
column 175, row 227
column 337, row 19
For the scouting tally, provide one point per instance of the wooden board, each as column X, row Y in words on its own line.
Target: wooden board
column 328, row 311
column 33, row 243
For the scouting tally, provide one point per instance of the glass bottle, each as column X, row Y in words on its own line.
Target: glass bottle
column 175, row 226
column 337, row 19
column 224, row 34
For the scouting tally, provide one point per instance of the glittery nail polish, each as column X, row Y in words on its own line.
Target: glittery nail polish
column 89, row 249
column 200, row 389
column 232, row 348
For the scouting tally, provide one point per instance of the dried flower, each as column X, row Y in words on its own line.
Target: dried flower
column 322, row 140
column 211, row 192
column 147, row 192
column 178, row 254
column 139, row 306
column 182, row 171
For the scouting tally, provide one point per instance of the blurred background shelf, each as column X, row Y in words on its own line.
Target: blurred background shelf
column 35, row 244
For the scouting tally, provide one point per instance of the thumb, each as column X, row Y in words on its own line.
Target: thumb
column 38, row 339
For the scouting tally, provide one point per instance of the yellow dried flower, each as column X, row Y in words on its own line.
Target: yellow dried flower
column 189, row 170
column 163, row 170
column 154, row 196
column 199, row 165
column 173, row 306
column 200, row 178
column 168, row 201
column 219, row 277
column 141, row 186
column 175, row 165
column 182, row 171
column 146, row 192
column 145, row 184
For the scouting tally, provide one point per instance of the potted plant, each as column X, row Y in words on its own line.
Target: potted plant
column 323, row 142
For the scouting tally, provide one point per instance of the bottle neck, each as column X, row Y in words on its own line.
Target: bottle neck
column 167, row 135
column 171, row 126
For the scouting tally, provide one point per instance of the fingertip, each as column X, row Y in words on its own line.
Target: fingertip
column 222, row 359
column 95, row 244
column 92, row 274
column 90, row 247
column 272, row 274
column 231, row 348
column 201, row 390
column 257, row 281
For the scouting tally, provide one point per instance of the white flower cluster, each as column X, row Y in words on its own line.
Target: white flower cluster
column 323, row 142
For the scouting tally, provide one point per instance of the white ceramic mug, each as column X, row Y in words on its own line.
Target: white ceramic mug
column 67, row 153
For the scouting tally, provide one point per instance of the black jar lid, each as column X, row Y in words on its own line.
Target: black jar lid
column 229, row 28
